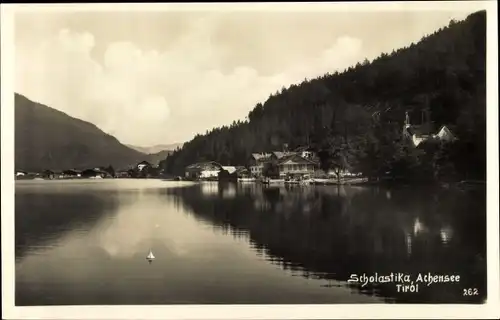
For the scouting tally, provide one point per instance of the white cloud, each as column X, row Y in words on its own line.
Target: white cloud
column 148, row 97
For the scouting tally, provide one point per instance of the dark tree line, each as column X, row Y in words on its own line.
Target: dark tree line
column 354, row 119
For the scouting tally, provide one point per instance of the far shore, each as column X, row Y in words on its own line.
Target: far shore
column 281, row 182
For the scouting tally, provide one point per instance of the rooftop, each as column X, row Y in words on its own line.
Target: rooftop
column 229, row 169
column 202, row 165
column 261, row 156
column 295, row 157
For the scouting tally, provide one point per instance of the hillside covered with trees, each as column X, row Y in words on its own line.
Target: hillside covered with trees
column 355, row 118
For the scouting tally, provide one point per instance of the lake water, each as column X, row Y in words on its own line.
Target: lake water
column 82, row 242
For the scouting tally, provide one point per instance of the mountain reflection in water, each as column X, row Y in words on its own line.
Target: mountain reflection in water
column 331, row 232
column 86, row 243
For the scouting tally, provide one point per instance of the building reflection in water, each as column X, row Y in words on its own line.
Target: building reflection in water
column 408, row 243
column 209, row 189
column 418, row 227
column 446, row 234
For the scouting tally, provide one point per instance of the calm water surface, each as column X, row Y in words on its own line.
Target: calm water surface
column 85, row 242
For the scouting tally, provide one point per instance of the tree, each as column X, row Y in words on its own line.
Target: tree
column 271, row 170
column 444, row 166
column 334, row 156
column 111, row 171
column 132, row 173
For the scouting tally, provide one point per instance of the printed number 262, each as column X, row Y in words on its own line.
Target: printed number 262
column 470, row 292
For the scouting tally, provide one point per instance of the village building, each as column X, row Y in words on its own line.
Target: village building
column 203, row 170
column 20, row 173
column 48, row 174
column 445, row 134
column 90, row 173
column 142, row 165
column 229, row 169
column 123, row 174
column 68, row 174
column 228, row 173
column 212, row 170
column 132, row 173
column 424, row 132
column 296, row 165
column 305, row 154
column 257, row 162
column 58, row 174
column 95, row 173
column 144, row 169
column 242, row 172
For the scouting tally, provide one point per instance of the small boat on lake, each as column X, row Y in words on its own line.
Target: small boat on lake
column 299, row 181
column 150, row 256
column 273, row 181
column 323, row 181
column 357, row 181
column 292, row 182
column 343, row 181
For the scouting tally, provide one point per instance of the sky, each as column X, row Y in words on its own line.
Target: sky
column 160, row 77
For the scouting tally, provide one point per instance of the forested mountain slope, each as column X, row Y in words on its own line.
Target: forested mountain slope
column 362, row 110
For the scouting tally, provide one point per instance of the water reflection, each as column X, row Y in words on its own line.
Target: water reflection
column 331, row 232
column 86, row 243
column 45, row 220
column 446, row 234
column 101, row 258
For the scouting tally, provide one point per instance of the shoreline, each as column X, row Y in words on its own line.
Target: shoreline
column 333, row 182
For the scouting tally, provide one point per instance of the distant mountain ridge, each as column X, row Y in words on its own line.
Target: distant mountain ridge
column 156, row 148
column 46, row 138
column 157, row 153
column 156, row 158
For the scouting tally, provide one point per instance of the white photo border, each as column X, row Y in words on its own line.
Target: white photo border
column 487, row 310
